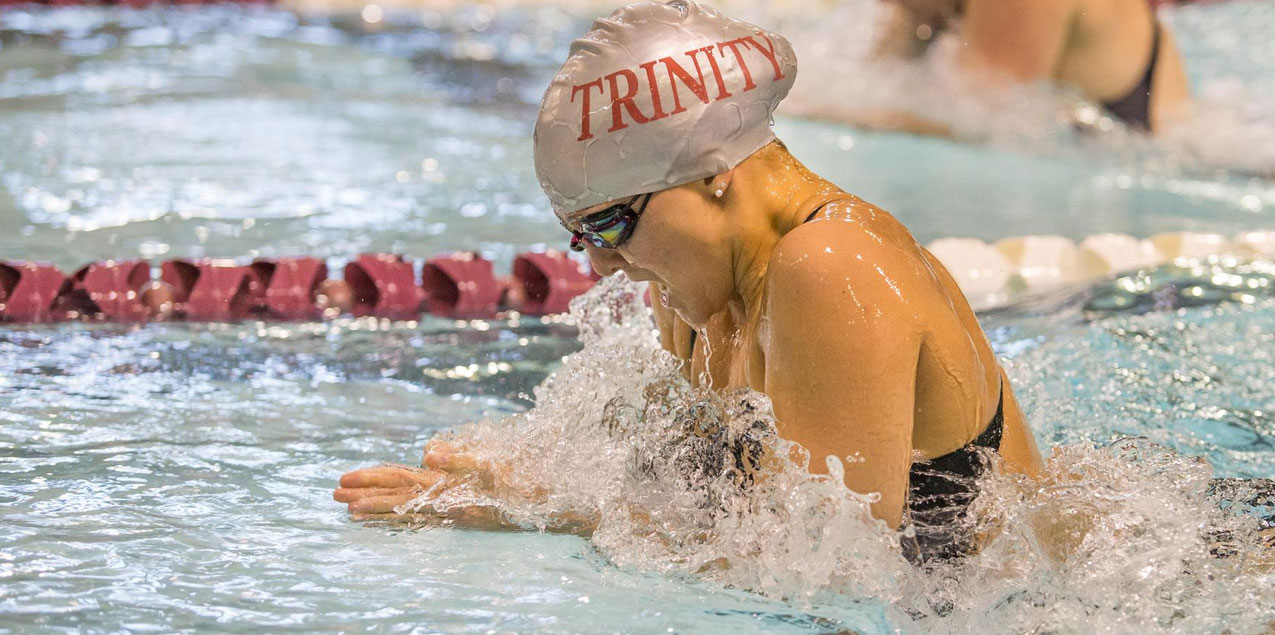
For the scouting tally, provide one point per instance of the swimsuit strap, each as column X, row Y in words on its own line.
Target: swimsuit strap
column 1135, row 107
column 824, row 200
column 991, row 436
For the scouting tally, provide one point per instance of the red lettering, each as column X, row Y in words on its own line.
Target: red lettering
column 649, row 67
column 739, row 57
column 768, row 54
column 625, row 101
column 722, row 93
column 584, row 107
column 698, row 88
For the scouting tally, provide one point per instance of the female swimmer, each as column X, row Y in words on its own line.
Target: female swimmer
column 1114, row 52
column 655, row 147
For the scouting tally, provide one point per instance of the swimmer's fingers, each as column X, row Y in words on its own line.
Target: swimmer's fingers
column 351, row 494
column 385, row 476
column 445, row 455
column 380, row 504
column 491, row 475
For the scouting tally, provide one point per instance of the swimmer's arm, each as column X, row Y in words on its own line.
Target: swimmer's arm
column 1017, row 39
column 841, row 365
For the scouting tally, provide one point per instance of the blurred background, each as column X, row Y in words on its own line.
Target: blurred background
column 329, row 128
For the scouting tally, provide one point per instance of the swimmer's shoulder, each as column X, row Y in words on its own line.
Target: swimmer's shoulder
column 848, row 228
column 852, row 245
column 847, row 243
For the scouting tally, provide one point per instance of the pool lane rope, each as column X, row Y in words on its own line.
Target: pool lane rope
column 464, row 285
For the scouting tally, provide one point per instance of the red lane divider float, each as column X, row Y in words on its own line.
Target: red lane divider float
column 113, row 289
column 384, row 285
column 30, row 292
column 210, row 290
column 549, row 281
column 461, row 285
column 291, row 287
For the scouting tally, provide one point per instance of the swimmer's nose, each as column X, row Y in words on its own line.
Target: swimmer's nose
column 605, row 262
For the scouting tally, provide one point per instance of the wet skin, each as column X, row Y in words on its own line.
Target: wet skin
column 863, row 342
column 1100, row 47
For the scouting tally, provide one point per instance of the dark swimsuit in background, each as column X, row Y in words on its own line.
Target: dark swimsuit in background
column 1135, row 107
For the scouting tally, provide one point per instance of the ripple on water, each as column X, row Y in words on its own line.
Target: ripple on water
column 200, row 499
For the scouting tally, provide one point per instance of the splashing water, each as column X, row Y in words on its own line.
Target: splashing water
column 1128, row 537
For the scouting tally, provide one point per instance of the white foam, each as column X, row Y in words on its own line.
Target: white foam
column 1109, row 540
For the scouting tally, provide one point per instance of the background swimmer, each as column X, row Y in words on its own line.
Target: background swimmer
column 1114, row 52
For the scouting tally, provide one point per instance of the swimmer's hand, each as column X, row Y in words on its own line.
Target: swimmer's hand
column 378, row 490
column 377, row 493
column 458, row 462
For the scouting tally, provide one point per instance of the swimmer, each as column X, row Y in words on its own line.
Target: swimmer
column 655, row 147
column 1115, row 52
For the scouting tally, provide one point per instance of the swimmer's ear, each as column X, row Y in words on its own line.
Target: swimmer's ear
column 718, row 186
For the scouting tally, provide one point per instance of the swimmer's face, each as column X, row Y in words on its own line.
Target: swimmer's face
column 682, row 242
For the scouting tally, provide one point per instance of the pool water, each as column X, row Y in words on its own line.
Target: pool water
column 178, row 476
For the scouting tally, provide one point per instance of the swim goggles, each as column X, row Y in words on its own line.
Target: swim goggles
column 609, row 228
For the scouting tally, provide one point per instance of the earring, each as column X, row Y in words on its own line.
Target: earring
column 720, row 191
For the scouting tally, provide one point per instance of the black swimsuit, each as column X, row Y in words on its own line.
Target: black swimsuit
column 1135, row 107
column 941, row 491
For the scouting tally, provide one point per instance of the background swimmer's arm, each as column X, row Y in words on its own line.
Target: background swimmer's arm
column 842, row 358
column 1023, row 40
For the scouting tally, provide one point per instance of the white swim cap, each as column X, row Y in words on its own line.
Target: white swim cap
column 654, row 96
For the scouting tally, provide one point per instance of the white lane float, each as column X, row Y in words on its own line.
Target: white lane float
column 1104, row 254
column 980, row 270
column 1040, row 262
column 1192, row 244
column 1256, row 243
